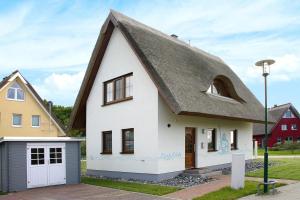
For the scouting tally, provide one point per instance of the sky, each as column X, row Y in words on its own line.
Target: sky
column 51, row 42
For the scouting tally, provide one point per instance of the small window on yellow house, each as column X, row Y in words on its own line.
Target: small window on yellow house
column 15, row 92
column 17, row 120
column 35, row 121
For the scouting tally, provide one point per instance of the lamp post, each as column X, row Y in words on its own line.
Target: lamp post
column 265, row 64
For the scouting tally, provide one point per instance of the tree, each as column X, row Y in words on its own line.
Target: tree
column 63, row 113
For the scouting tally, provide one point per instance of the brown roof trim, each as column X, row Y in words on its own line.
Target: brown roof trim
column 77, row 122
column 221, row 117
column 78, row 116
column 111, row 22
column 5, row 79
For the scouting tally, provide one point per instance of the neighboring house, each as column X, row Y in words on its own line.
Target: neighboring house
column 153, row 106
column 31, row 153
column 22, row 111
column 286, row 128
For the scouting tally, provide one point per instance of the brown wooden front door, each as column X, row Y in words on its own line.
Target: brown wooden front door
column 189, row 148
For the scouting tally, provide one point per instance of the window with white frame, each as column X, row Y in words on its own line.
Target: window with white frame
column 17, row 120
column 288, row 114
column 294, row 127
column 15, row 92
column 284, row 127
column 35, row 121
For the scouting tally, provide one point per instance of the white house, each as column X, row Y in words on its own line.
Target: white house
column 153, row 106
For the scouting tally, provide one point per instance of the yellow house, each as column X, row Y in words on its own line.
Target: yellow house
column 22, row 111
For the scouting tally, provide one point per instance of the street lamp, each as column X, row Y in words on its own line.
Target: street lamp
column 265, row 64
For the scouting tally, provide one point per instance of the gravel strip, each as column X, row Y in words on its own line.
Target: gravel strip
column 181, row 181
column 253, row 166
column 184, row 181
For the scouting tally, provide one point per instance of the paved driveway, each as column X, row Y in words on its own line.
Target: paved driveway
column 76, row 192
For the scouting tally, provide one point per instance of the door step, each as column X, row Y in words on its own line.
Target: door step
column 202, row 172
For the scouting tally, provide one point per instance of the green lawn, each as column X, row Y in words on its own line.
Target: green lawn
column 227, row 193
column 279, row 153
column 288, row 169
column 130, row 186
column 2, row 193
column 83, row 168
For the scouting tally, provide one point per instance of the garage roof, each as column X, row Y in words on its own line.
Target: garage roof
column 40, row 139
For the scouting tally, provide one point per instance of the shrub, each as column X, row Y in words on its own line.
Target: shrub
column 291, row 146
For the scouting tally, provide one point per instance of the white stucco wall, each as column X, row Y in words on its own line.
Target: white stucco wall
column 140, row 113
column 157, row 148
column 172, row 140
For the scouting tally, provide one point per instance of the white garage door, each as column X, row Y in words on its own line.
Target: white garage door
column 45, row 164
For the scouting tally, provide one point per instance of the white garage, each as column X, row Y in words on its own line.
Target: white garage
column 38, row 162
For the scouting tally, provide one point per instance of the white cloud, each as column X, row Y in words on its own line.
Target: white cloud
column 12, row 21
column 48, row 39
column 62, row 88
column 286, row 68
column 64, row 34
column 240, row 32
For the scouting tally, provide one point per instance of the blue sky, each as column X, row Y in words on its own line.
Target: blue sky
column 50, row 42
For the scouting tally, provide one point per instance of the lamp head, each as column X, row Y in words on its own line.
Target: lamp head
column 265, row 64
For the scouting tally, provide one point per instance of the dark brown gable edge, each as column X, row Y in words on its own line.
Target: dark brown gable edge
column 222, row 117
column 78, row 116
column 5, row 79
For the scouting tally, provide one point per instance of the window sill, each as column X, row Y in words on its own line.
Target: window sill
column 117, row 101
column 106, row 153
column 17, row 126
column 19, row 100
column 126, row 152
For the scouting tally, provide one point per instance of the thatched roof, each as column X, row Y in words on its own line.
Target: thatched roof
column 276, row 113
column 181, row 73
column 6, row 80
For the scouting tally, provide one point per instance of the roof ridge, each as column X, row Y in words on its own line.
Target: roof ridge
column 166, row 36
column 279, row 106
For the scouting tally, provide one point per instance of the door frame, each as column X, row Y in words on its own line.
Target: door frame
column 194, row 149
